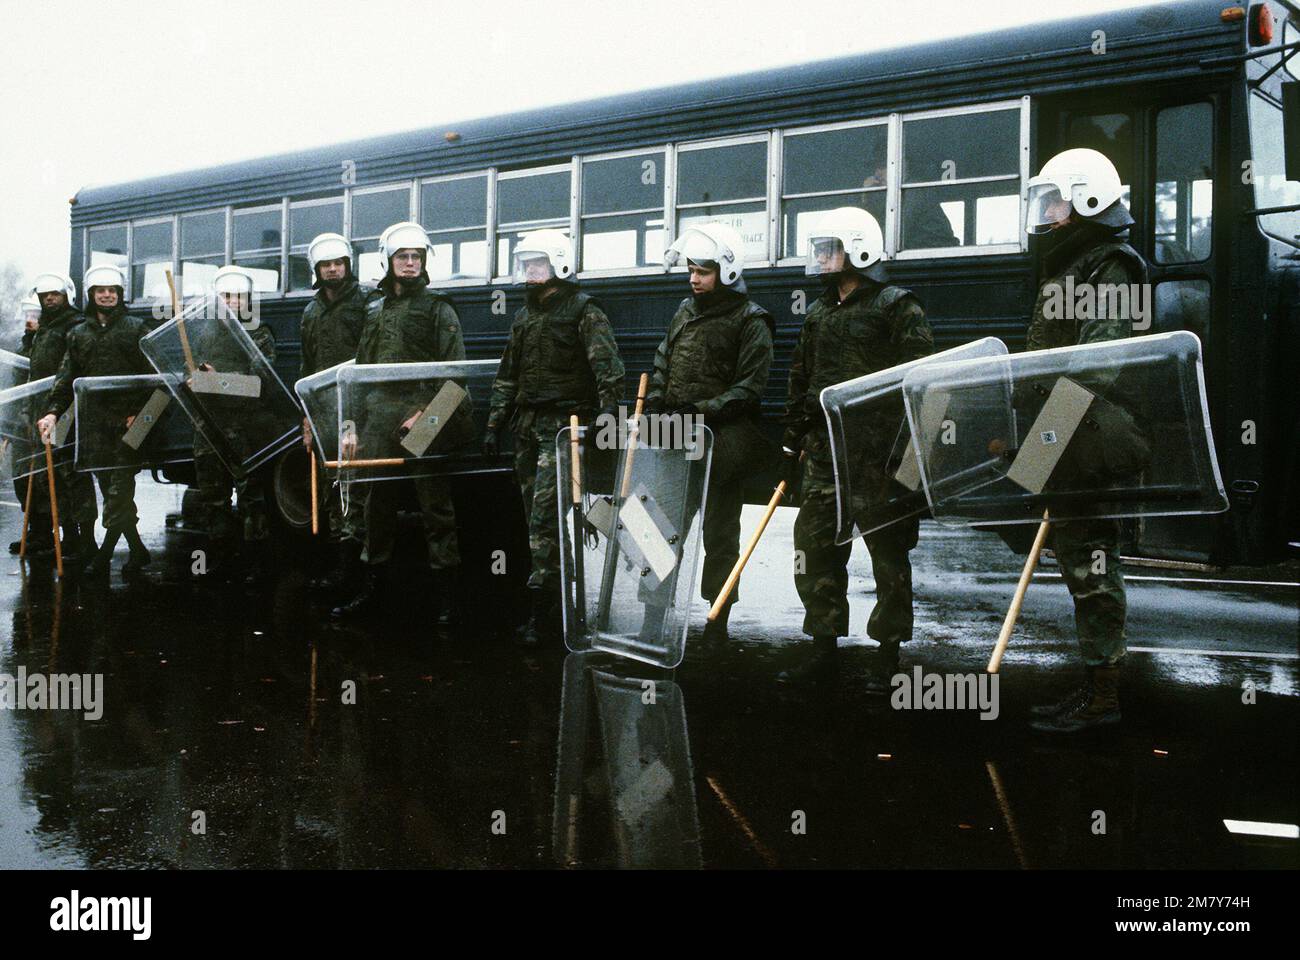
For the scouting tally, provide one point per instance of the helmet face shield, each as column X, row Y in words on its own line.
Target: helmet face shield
column 532, row 266
column 825, row 256
column 1046, row 208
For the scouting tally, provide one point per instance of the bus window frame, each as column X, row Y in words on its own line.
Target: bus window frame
column 227, row 239
column 675, row 208
column 545, row 224
column 281, row 205
column 134, row 297
column 893, row 233
column 351, row 193
column 668, row 155
column 489, row 185
column 85, row 247
column 292, row 248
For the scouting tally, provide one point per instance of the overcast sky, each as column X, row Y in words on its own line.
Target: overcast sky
column 121, row 90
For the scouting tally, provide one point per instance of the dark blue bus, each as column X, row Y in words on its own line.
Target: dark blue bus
column 936, row 139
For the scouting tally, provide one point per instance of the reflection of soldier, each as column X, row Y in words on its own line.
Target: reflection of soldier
column 714, row 363
column 45, row 346
column 1087, row 247
column 561, row 359
column 409, row 323
column 235, row 297
column 107, row 344
column 925, row 225
column 331, row 327
column 859, row 325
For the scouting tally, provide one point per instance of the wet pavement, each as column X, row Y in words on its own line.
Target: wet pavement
column 224, row 707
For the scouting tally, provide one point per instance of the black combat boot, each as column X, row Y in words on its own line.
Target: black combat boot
column 715, row 635
column 40, row 542
column 531, row 633
column 1100, row 709
column 347, row 563
column 72, row 549
column 884, row 665
column 446, row 596
column 140, row 556
column 369, row 597
column 99, row 564
column 821, row 662
column 1081, row 693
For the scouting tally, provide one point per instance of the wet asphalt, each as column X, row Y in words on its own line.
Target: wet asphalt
column 223, row 707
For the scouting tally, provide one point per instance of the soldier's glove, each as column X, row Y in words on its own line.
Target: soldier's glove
column 790, row 470
column 492, row 444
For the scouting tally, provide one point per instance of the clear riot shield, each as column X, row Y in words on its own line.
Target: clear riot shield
column 319, row 395
column 14, row 369
column 225, row 385
column 1116, row 429
column 20, row 442
column 630, row 518
column 128, row 423
column 624, row 785
column 399, row 420
column 877, row 478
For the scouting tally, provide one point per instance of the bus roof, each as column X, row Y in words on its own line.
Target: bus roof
column 1161, row 42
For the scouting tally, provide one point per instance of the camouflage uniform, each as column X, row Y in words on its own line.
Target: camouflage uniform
column 106, row 348
column 874, row 328
column 421, row 327
column 46, row 348
column 213, row 480
column 561, row 359
column 330, row 332
column 1091, row 255
column 716, row 358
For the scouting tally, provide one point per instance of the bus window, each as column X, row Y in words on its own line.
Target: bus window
column 825, row 169
column 1182, row 305
column 257, row 245
column 726, row 183
column 373, row 212
column 307, row 220
column 203, row 250
column 1184, row 183
column 623, row 211
column 961, row 180
column 1268, row 171
column 1110, row 134
column 106, row 245
column 454, row 212
column 530, row 200
column 151, row 258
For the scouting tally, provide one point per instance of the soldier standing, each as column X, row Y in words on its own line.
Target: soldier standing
column 331, row 328
column 561, row 359
column 714, row 364
column 235, row 297
column 859, row 325
column 107, row 344
column 407, row 323
column 46, row 349
column 1074, row 205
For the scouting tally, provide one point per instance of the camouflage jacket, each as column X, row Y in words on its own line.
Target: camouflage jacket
column 876, row 327
column 561, row 356
column 422, row 327
column 332, row 328
column 49, row 342
column 1090, row 257
column 99, row 349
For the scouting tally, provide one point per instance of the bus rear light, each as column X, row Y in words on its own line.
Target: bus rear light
column 1233, row 14
column 1261, row 25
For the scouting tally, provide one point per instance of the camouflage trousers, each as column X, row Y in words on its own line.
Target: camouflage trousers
column 823, row 583
column 214, row 483
column 1088, row 554
column 535, row 470
column 434, row 497
column 341, row 526
column 118, row 490
column 76, row 493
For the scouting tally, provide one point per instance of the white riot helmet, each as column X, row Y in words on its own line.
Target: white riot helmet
column 551, row 247
column 55, row 283
column 27, row 308
column 235, row 280
column 710, row 243
column 328, row 246
column 103, row 275
column 844, row 237
column 1079, row 179
column 403, row 236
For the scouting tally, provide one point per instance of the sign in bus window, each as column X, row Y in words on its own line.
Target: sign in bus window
column 454, row 212
column 961, row 180
column 622, row 212
column 726, row 184
column 203, row 250
column 151, row 258
column 306, row 222
column 1184, row 183
column 828, row 169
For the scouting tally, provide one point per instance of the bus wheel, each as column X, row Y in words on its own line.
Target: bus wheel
column 291, row 492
